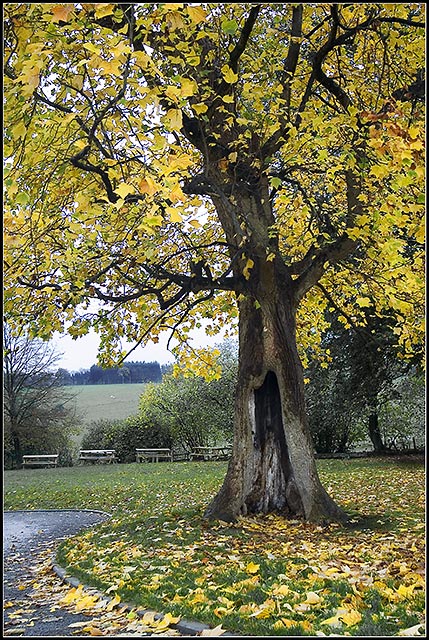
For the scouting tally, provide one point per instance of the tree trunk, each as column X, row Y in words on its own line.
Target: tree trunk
column 374, row 432
column 272, row 467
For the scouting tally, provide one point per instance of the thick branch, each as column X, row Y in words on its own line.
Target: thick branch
column 244, row 37
column 336, row 251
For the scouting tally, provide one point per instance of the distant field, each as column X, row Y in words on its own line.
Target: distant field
column 107, row 401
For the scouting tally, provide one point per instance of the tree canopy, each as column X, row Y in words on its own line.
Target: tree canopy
column 129, row 127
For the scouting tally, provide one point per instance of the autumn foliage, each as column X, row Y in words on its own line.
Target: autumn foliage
column 247, row 163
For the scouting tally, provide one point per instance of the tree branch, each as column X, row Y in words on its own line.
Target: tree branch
column 244, row 37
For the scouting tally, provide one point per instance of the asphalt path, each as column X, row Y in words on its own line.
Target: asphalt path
column 26, row 535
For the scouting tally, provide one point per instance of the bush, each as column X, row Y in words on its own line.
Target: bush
column 96, row 436
column 136, row 432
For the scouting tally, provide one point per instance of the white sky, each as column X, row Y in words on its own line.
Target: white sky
column 82, row 353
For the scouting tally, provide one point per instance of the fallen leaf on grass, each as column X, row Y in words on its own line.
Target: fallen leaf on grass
column 217, row 631
column 417, row 630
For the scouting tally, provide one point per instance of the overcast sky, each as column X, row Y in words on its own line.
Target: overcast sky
column 82, row 353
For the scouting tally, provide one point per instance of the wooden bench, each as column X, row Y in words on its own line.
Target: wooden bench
column 48, row 460
column 101, row 456
column 211, row 453
column 153, row 455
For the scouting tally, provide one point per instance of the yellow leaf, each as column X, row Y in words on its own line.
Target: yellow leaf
column 334, row 621
column 148, row 185
column 102, row 9
column 199, row 108
column 188, row 88
column 112, row 604
column 72, row 595
column 149, row 617
column 90, row 46
column 173, row 119
column 380, row 171
column 195, row 224
column 174, row 214
column 228, row 74
column 312, row 598
column 217, row 631
column 262, row 613
column 285, row 622
column 124, row 190
column 86, row 602
column 166, row 621
column 197, row 14
column 19, row 130
column 282, row 590
column 80, row 144
column 351, row 617
column 363, row 302
column 61, row 12
column 252, row 567
column 93, row 631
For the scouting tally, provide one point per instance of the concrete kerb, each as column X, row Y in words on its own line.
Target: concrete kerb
column 184, row 627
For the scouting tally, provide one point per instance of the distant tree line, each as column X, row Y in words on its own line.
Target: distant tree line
column 130, row 373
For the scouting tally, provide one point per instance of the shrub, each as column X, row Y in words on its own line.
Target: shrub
column 137, row 432
column 96, row 436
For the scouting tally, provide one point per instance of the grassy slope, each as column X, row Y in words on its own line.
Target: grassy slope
column 106, row 401
column 261, row 576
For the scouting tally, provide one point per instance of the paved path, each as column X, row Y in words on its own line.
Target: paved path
column 32, row 590
column 26, row 535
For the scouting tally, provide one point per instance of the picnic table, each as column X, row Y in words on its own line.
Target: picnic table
column 153, row 455
column 100, row 456
column 211, row 453
column 42, row 460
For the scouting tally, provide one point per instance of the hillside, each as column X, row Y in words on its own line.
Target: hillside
column 106, row 401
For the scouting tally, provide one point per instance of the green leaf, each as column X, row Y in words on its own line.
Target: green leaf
column 229, row 27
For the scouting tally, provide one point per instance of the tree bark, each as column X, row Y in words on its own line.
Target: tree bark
column 374, row 432
column 272, row 467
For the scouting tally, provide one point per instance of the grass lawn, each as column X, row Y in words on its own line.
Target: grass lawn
column 261, row 576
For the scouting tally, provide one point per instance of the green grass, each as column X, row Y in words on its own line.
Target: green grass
column 107, row 401
column 261, row 576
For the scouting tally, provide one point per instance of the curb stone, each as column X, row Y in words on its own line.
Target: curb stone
column 185, row 627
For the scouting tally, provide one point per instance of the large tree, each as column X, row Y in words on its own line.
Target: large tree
column 183, row 161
